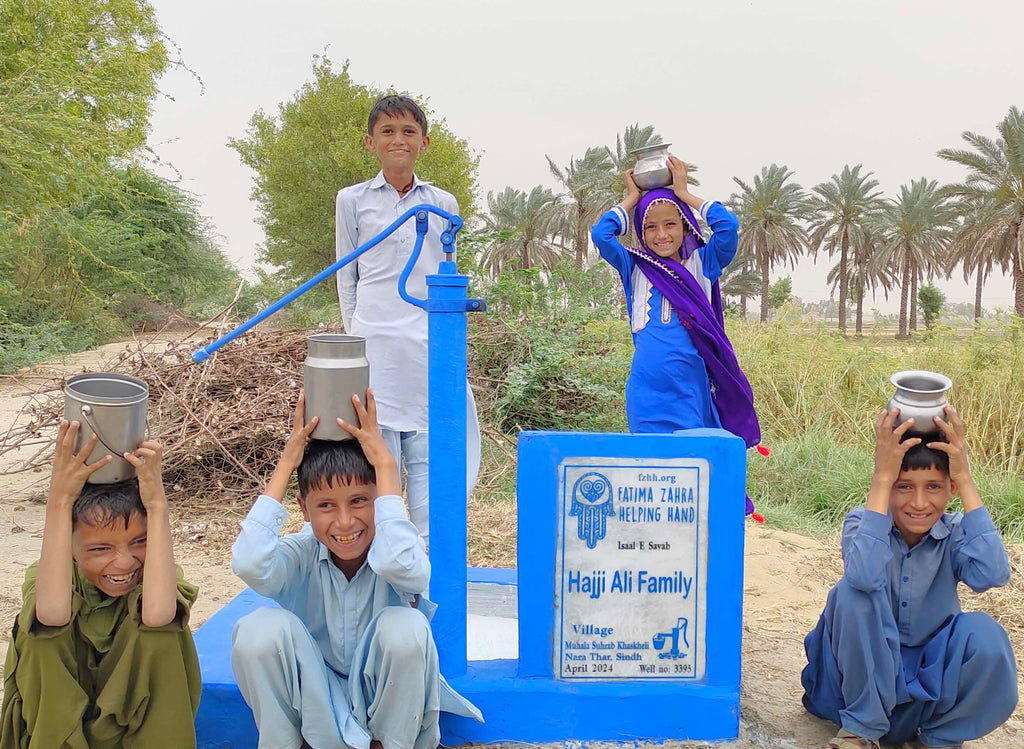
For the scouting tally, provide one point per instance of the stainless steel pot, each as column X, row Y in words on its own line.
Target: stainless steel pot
column 920, row 395
column 334, row 370
column 112, row 406
column 651, row 170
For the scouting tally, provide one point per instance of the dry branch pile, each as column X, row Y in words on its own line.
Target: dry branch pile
column 222, row 423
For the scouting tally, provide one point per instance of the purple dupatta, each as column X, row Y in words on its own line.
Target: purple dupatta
column 703, row 320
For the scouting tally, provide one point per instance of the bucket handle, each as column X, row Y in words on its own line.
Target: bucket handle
column 86, row 410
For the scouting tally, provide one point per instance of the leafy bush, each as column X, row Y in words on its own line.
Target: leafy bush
column 22, row 345
column 547, row 372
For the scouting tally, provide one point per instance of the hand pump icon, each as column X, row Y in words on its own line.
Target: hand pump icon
column 678, row 632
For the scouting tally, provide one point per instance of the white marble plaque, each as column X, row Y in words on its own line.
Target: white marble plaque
column 631, row 569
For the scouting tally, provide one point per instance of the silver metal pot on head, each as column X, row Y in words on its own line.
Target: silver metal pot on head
column 335, row 369
column 112, row 406
column 920, row 395
column 651, row 170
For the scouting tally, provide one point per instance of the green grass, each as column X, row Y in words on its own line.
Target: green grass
column 817, row 394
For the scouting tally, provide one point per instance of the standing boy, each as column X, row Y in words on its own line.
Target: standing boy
column 396, row 331
column 101, row 655
column 349, row 658
column 893, row 655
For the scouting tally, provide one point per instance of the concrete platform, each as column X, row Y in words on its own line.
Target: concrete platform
column 224, row 720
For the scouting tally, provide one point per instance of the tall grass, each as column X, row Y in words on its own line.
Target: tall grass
column 817, row 394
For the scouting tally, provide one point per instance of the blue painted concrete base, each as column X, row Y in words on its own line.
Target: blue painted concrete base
column 548, row 710
column 224, row 720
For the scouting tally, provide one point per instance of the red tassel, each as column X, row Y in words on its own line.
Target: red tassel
column 764, row 450
column 758, row 517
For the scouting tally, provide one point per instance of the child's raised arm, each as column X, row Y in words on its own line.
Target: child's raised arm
column 397, row 554
column 955, row 447
column 613, row 224
column 294, row 449
column 374, row 447
column 889, row 452
column 681, row 183
column 53, row 577
column 159, row 575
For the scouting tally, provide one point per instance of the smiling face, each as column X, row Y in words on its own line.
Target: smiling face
column 111, row 556
column 917, row 501
column 664, row 230
column 342, row 519
column 397, row 142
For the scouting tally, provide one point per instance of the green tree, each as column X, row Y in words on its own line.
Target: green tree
column 919, row 226
column 587, row 193
column 313, row 147
column 516, row 224
column 779, row 293
column 771, row 210
column 844, row 207
column 140, row 247
column 87, row 238
column 931, row 299
column 77, row 81
column 995, row 186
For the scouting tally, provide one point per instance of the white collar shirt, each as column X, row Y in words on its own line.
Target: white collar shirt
column 395, row 331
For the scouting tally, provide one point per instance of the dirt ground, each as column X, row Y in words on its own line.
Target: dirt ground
column 786, row 579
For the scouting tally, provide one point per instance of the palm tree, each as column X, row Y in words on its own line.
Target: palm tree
column 972, row 248
column 844, row 207
column 740, row 279
column 587, row 194
column 632, row 138
column 516, row 222
column 995, row 184
column 919, row 226
column 770, row 212
column 864, row 274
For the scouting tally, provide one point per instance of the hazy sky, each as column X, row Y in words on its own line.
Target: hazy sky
column 810, row 84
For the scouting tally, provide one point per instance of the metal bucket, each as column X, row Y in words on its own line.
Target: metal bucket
column 334, row 370
column 112, row 406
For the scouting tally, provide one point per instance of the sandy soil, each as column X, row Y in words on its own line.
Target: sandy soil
column 786, row 579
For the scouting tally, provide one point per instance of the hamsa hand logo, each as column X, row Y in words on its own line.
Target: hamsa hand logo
column 592, row 504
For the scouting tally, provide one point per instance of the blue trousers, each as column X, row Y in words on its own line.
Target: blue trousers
column 958, row 686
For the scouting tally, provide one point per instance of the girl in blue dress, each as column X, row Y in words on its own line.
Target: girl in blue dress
column 684, row 373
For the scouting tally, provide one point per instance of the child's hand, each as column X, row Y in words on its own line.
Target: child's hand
column 374, row 447
column 680, row 177
column 632, row 189
column 955, row 446
column 69, row 468
column 147, row 461
column 294, row 449
column 889, row 451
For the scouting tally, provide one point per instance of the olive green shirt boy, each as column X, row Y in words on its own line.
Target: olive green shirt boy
column 108, row 680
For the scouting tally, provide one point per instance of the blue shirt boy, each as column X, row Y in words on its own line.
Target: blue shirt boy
column 893, row 656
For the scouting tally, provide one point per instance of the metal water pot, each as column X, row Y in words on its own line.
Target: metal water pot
column 920, row 395
column 112, row 406
column 651, row 170
column 334, row 370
